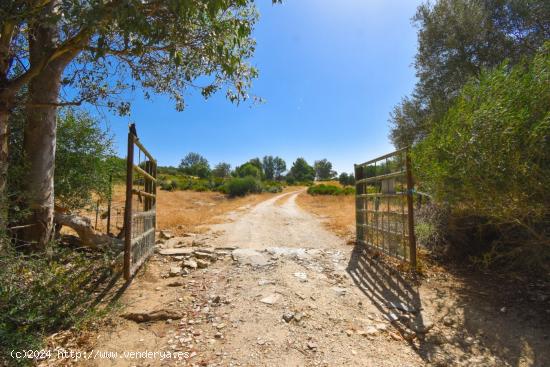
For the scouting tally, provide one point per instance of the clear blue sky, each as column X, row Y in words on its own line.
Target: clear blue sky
column 330, row 73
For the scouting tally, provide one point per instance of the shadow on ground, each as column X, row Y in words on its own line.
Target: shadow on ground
column 478, row 321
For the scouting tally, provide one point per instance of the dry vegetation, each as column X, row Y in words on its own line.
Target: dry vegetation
column 179, row 211
column 338, row 211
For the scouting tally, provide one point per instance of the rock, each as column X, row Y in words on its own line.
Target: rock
column 392, row 317
column 349, row 332
column 156, row 315
column 448, row 321
column 175, row 251
column 288, row 316
column 271, row 299
column 298, row 316
column 381, row 327
column 401, row 306
column 503, row 310
column 176, row 242
column 202, row 263
column 174, row 271
column 339, row 291
column 312, row 345
column 175, row 284
column 166, row 234
column 200, row 254
column 249, row 257
column 265, row 282
column 369, row 331
column 218, row 335
column 395, row 336
column 190, row 263
column 301, row 276
column 422, row 328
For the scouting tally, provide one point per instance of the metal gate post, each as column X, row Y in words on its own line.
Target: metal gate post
column 410, row 211
column 128, row 207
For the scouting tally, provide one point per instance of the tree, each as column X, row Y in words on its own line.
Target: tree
column 346, row 180
column 84, row 160
column 268, row 165
column 248, row 170
column 457, row 39
column 273, row 167
column 323, row 170
column 256, row 162
column 194, row 164
column 100, row 48
column 490, row 157
column 301, row 171
column 222, row 170
column 279, row 167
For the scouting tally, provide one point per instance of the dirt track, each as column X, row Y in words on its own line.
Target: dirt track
column 293, row 294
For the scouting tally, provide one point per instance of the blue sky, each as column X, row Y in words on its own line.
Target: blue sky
column 330, row 73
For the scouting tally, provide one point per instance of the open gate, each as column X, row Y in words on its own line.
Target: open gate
column 384, row 205
column 140, row 210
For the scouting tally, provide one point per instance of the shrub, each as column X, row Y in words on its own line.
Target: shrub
column 41, row 294
column 330, row 190
column 242, row 186
column 490, row 159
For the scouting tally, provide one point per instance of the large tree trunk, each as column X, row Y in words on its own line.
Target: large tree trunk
column 40, row 136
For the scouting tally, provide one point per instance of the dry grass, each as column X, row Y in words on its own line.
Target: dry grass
column 338, row 212
column 179, row 211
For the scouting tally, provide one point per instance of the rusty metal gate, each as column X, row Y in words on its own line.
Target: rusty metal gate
column 384, row 205
column 140, row 210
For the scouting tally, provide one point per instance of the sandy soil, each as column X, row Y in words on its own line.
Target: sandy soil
column 297, row 295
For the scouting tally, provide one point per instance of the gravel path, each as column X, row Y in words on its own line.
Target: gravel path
column 269, row 224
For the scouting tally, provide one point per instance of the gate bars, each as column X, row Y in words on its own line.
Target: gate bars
column 384, row 205
column 139, row 225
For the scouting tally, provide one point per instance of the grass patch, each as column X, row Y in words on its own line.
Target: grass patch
column 42, row 294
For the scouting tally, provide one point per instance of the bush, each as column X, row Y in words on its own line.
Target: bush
column 490, row 159
column 242, row 186
column 330, row 190
column 40, row 295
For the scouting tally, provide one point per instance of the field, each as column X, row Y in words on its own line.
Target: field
column 337, row 212
column 178, row 211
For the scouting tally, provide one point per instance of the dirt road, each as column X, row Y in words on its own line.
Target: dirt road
column 271, row 287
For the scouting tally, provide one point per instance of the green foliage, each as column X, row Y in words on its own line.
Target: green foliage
column 40, row 295
column 457, row 40
column 273, row 167
column 222, row 170
column 194, row 164
column 242, row 186
column 162, row 47
column 301, row 171
column 346, row 180
column 83, row 163
column 323, row 170
column 248, row 169
column 323, row 189
column 491, row 153
column 83, row 160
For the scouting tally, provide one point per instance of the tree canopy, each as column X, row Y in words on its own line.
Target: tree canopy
column 323, row 170
column 195, row 164
column 301, row 171
column 457, row 40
